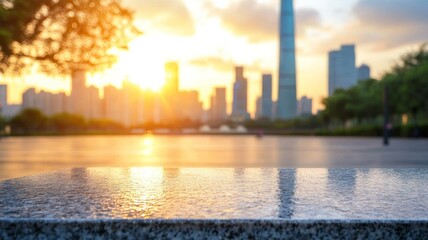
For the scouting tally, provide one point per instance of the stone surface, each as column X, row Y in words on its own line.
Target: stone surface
column 192, row 203
column 218, row 193
column 212, row 229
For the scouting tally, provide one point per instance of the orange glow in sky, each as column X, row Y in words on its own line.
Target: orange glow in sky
column 208, row 38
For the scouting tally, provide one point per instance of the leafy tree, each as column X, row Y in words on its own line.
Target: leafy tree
column 29, row 121
column 407, row 84
column 2, row 123
column 104, row 125
column 67, row 122
column 337, row 106
column 62, row 35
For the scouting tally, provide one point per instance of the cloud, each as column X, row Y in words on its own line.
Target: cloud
column 216, row 63
column 259, row 22
column 250, row 19
column 307, row 18
column 171, row 16
column 380, row 25
column 391, row 23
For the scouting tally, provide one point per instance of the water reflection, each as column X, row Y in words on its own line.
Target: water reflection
column 286, row 191
column 219, row 193
column 27, row 156
column 342, row 181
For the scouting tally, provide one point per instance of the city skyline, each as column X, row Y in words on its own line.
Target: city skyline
column 320, row 27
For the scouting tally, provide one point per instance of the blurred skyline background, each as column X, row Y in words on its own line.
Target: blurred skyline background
column 209, row 38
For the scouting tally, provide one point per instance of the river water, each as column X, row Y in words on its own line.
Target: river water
column 22, row 156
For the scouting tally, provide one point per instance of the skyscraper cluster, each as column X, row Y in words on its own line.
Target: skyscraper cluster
column 129, row 105
column 132, row 106
column 342, row 71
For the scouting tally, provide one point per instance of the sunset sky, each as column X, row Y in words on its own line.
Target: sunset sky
column 209, row 37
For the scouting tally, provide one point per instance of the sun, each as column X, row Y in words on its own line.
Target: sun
column 143, row 64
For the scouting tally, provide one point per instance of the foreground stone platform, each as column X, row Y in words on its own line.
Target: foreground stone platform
column 216, row 203
column 212, row 229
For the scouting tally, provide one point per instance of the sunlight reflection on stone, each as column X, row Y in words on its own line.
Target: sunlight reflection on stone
column 224, row 193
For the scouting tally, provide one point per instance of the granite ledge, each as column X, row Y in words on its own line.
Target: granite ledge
column 212, row 229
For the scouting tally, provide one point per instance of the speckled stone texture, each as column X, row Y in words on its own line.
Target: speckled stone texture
column 212, row 229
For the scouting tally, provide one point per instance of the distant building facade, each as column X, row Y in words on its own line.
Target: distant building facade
column 48, row 103
column 266, row 100
column 341, row 68
column 240, row 96
column 218, row 105
column 305, row 106
column 29, row 98
column 191, row 107
column 363, row 72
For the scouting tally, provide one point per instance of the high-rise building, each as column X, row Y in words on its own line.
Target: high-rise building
column 48, row 103
column 171, row 77
column 363, row 72
column 58, row 103
column 3, row 98
column 287, row 96
column 219, row 105
column 266, row 100
column 240, row 96
column 341, row 68
column 43, row 100
column 305, row 106
column 79, row 97
column 29, row 98
column 190, row 106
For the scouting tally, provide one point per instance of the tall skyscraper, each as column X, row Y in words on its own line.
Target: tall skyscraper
column 363, row 72
column 266, row 101
column 287, row 96
column 341, row 68
column 219, row 105
column 171, row 77
column 240, row 96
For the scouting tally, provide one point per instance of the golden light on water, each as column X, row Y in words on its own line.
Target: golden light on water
column 148, row 146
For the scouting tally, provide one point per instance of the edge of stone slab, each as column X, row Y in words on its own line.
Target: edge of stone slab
column 203, row 228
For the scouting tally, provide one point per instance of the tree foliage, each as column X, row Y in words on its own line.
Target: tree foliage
column 29, row 121
column 62, row 35
column 407, row 84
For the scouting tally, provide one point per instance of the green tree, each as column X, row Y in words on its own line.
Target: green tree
column 338, row 105
column 62, row 35
column 64, row 122
column 29, row 121
column 2, row 123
